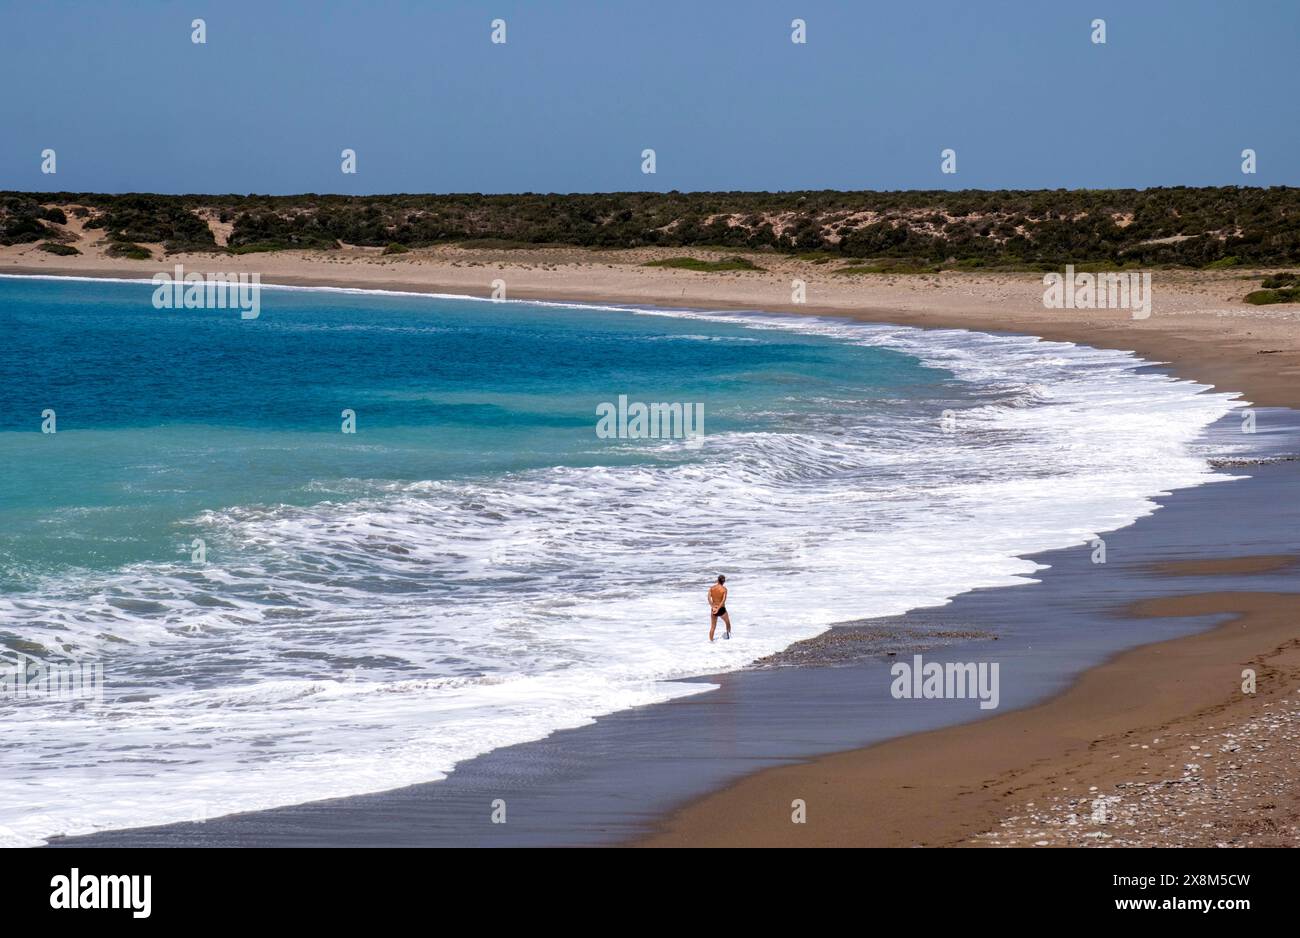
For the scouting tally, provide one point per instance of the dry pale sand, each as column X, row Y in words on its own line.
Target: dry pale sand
column 1162, row 737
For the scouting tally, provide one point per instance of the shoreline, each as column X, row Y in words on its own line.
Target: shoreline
column 945, row 766
column 1198, row 329
column 629, row 776
column 1123, row 732
column 1158, row 745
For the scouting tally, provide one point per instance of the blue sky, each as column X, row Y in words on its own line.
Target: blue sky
column 581, row 87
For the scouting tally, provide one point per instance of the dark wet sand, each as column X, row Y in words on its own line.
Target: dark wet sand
column 1128, row 722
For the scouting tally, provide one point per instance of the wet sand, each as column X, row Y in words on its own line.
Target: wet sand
column 1158, row 747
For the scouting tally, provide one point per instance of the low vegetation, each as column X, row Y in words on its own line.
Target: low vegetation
column 1221, row 227
column 263, row 247
column 694, row 263
column 128, row 250
column 21, row 221
column 1268, row 297
column 1278, row 288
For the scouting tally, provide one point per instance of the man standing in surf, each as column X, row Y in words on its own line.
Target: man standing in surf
column 718, row 607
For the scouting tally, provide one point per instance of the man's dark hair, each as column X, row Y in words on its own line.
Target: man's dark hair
column 721, row 578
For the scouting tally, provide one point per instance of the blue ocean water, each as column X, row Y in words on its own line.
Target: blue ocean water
column 475, row 566
column 162, row 414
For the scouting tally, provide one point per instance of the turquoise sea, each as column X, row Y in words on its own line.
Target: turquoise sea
column 475, row 566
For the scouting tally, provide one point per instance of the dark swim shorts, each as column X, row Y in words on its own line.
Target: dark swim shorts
column 722, row 611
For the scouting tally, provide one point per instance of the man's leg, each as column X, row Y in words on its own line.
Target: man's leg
column 713, row 624
column 727, row 619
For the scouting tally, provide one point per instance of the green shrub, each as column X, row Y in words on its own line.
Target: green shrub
column 193, row 247
column 128, row 250
column 692, row 263
column 395, row 248
column 501, row 244
column 1268, row 297
column 156, row 218
column 20, row 221
column 261, row 247
column 1208, row 227
column 53, row 247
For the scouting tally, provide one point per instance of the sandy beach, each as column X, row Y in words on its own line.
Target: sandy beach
column 1199, row 325
column 1161, row 740
column 1162, row 737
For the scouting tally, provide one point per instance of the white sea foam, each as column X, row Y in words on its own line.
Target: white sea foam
column 364, row 645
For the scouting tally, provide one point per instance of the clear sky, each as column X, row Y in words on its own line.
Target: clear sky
column 1016, row 87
